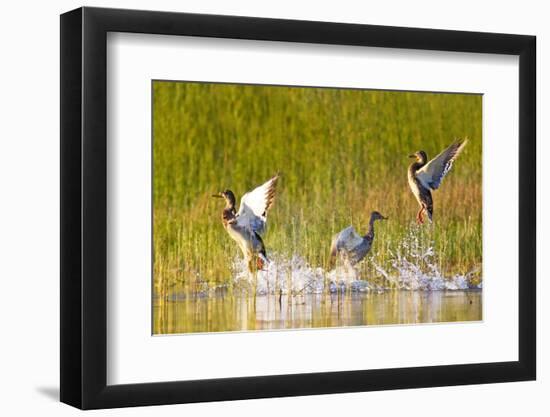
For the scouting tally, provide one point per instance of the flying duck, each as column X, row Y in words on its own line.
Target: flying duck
column 248, row 224
column 351, row 246
column 426, row 176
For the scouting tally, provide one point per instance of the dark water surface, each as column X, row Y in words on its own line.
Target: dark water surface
column 244, row 313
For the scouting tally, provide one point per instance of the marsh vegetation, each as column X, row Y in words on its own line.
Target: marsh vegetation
column 341, row 153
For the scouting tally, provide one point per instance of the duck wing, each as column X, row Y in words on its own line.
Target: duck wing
column 348, row 239
column 252, row 212
column 431, row 175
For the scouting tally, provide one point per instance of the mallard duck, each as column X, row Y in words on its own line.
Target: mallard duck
column 350, row 245
column 426, row 176
column 248, row 224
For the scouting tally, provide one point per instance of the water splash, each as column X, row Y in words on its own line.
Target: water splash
column 413, row 266
column 410, row 276
column 287, row 276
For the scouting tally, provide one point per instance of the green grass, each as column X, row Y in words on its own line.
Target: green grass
column 342, row 154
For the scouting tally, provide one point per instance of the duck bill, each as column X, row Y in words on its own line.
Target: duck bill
column 412, row 156
column 217, row 195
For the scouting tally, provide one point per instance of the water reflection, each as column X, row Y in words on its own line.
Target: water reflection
column 243, row 313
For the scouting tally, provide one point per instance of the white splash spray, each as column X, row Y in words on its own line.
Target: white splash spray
column 413, row 267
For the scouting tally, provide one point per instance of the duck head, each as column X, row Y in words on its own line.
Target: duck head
column 375, row 215
column 228, row 196
column 420, row 157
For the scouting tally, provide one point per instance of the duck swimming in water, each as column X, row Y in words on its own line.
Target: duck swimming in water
column 248, row 224
column 350, row 245
column 426, row 176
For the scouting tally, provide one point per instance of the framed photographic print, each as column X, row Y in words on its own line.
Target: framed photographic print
column 258, row 207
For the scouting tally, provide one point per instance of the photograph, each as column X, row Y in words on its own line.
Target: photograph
column 289, row 207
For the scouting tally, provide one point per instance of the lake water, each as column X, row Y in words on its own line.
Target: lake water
column 225, row 312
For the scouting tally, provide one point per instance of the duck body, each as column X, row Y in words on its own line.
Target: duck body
column 249, row 242
column 351, row 246
column 422, row 194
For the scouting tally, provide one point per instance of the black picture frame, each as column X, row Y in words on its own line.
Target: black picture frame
column 84, row 207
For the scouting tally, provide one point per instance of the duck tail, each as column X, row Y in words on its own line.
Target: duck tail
column 430, row 211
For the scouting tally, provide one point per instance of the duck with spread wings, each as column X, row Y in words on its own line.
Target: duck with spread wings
column 247, row 225
column 424, row 176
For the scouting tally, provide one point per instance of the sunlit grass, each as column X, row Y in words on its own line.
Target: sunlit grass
column 342, row 154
